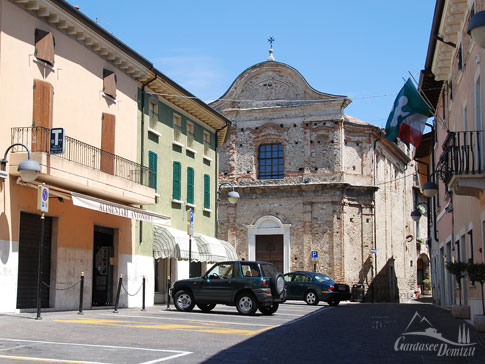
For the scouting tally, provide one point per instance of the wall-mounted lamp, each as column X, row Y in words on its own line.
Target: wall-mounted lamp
column 418, row 212
column 28, row 169
column 476, row 28
column 430, row 189
column 232, row 196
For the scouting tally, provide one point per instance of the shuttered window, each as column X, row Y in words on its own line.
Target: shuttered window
column 108, row 143
column 153, row 165
column 190, row 185
column 109, row 83
column 207, row 192
column 176, row 180
column 44, row 46
column 41, row 115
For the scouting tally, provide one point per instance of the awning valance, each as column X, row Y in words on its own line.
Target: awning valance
column 173, row 243
column 214, row 250
column 117, row 209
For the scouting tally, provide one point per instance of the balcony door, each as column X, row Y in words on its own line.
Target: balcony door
column 43, row 93
column 108, row 143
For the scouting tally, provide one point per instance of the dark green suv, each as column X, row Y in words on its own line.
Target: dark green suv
column 247, row 285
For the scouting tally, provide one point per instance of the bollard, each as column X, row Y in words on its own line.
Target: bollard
column 81, row 294
column 168, row 293
column 118, row 294
column 143, row 297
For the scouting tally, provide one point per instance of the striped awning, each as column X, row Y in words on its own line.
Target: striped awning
column 214, row 250
column 173, row 243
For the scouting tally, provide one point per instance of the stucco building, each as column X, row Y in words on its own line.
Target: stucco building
column 313, row 179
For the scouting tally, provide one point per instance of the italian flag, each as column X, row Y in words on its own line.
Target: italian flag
column 408, row 116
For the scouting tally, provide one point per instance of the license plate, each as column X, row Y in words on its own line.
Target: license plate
column 342, row 288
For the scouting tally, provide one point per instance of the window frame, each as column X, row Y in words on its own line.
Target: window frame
column 177, row 128
column 153, row 164
column 190, row 185
column 109, row 83
column 44, row 46
column 207, row 191
column 190, row 135
column 268, row 162
column 176, row 180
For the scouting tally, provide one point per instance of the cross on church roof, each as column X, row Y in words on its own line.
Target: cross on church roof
column 270, row 41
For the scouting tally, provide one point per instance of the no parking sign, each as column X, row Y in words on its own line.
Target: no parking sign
column 43, row 198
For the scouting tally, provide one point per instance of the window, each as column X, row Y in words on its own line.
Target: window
column 302, row 278
column 207, row 143
column 271, row 161
column 207, row 192
column 153, row 165
column 190, row 185
column 44, row 46
column 109, row 83
column 478, row 105
column 177, row 126
column 221, row 271
column 470, row 239
column 190, row 135
column 250, row 270
column 460, row 57
column 176, row 180
column 108, row 143
column 153, row 113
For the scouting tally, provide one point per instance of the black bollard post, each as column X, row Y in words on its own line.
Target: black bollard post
column 143, row 298
column 39, row 269
column 169, row 284
column 118, row 294
column 81, row 295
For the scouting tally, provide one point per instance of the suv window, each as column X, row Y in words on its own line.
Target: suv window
column 221, row 271
column 250, row 270
column 268, row 270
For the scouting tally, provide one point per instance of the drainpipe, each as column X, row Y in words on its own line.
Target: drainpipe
column 375, row 219
column 142, row 140
column 216, row 189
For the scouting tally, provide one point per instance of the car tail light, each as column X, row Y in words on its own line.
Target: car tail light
column 264, row 283
column 331, row 288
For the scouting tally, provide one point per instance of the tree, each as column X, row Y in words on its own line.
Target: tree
column 476, row 272
column 458, row 269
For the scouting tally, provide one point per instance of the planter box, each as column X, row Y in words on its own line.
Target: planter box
column 460, row 312
column 479, row 322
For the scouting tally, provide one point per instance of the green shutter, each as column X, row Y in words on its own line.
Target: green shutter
column 153, row 164
column 190, row 185
column 176, row 180
column 207, row 192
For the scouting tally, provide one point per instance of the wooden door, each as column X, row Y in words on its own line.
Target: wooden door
column 108, row 143
column 41, row 115
column 269, row 248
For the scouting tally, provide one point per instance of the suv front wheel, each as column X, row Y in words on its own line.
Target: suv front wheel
column 184, row 301
column 246, row 304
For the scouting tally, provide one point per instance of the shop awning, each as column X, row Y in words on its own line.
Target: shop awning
column 173, row 243
column 117, row 209
column 214, row 250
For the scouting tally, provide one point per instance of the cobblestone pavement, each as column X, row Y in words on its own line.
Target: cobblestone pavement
column 297, row 333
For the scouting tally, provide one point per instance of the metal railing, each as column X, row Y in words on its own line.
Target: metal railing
column 462, row 154
column 37, row 139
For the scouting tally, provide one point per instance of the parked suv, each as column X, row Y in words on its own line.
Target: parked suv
column 247, row 285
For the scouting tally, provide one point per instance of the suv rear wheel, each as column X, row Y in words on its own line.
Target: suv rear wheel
column 184, row 301
column 269, row 310
column 206, row 307
column 246, row 304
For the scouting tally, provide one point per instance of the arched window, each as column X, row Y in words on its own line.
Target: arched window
column 271, row 161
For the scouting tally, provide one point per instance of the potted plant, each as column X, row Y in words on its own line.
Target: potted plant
column 426, row 286
column 458, row 269
column 476, row 273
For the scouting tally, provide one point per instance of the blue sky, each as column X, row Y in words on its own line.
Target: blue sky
column 359, row 48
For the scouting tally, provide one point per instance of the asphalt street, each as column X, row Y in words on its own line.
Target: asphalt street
column 296, row 333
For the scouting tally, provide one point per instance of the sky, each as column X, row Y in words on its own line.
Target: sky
column 363, row 49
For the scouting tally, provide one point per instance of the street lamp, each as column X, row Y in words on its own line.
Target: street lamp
column 420, row 210
column 430, row 189
column 28, row 169
column 476, row 28
column 232, row 196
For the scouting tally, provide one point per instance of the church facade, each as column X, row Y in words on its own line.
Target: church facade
column 319, row 190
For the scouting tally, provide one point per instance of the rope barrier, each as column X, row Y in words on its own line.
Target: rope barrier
column 61, row 289
column 134, row 294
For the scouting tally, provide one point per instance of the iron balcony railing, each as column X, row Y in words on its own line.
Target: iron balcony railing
column 462, row 154
column 37, row 139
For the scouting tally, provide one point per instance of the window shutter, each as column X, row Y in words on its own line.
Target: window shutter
column 108, row 143
column 207, row 192
column 44, row 46
column 109, row 83
column 41, row 115
column 153, row 165
column 190, row 185
column 176, row 181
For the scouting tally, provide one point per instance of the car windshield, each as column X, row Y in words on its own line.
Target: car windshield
column 323, row 278
column 268, row 270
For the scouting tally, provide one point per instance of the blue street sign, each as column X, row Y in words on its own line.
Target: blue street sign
column 314, row 254
column 373, row 251
column 191, row 215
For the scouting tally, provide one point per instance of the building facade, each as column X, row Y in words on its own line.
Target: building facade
column 319, row 190
column 453, row 78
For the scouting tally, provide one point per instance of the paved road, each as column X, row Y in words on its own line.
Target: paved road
column 297, row 333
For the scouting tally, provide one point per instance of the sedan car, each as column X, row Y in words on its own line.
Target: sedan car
column 314, row 287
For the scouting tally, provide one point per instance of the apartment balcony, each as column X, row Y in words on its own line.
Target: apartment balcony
column 461, row 164
column 84, row 168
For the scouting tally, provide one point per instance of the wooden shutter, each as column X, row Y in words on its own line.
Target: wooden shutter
column 109, row 83
column 207, row 192
column 176, row 181
column 190, row 185
column 107, row 143
column 43, row 93
column 44, row 46
column 152, row 164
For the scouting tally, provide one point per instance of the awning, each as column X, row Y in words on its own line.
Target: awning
column 173, row 243
column 214, row 250
column 117, row 209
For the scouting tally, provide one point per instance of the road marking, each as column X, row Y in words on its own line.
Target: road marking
column 209, row 327
column 176, row 353
column 45, row 360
